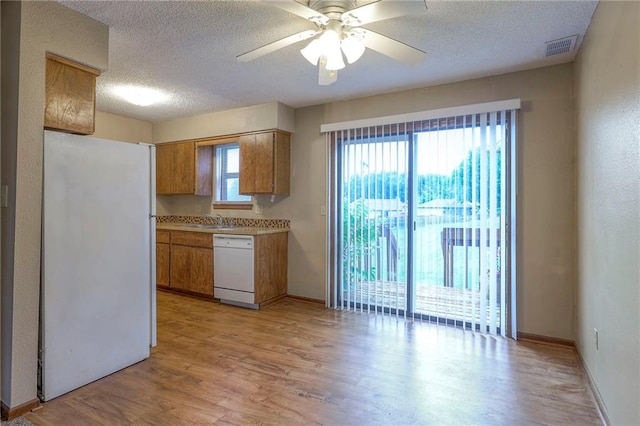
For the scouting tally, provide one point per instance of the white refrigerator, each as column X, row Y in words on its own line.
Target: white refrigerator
column 98, row 260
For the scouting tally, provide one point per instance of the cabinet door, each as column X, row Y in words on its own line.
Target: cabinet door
column 271, row 259
column 69, row 96
column 247, row 173
column 162, row 264
column 184, row 168
column 263, row 163
column 201, row 271
column 204, row 170
column 164, row 168
column 192, row 269
column 281, row 163
column 180, row 267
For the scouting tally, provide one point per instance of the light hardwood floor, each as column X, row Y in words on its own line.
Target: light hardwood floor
column 299, row 363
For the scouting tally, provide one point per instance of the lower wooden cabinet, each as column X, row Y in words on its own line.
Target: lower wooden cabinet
column 186, row 263
column 271, row 254
column 192, row 269
column 163, row 238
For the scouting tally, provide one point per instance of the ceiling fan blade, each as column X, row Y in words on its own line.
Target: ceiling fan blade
column 296, row 8
column 326, row 77
column 381, row 10
column 392, row 48
column 272, row 47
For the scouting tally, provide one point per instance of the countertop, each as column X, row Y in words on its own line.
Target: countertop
column 235, row 230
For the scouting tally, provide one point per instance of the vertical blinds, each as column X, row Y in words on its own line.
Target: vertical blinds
column 420, row 218
column 372, row 163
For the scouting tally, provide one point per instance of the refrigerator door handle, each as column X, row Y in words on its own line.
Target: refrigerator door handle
column 152, row 250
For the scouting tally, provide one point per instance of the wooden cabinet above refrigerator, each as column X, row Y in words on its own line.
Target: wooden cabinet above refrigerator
column 70, row 96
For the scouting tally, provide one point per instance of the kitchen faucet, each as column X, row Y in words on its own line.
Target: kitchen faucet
column 220, row 218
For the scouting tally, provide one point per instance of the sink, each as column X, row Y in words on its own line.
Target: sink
column 205, row 226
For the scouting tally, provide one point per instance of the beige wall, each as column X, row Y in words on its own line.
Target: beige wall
column 119, row 128
column 545, row 177
column 10, row 70
column 607, row 83
column 273, row 115
column 53, row 27
column 546, row 187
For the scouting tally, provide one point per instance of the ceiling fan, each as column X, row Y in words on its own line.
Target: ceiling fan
column 338, row 31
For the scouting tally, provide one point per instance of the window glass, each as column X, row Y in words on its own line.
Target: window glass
column 232, row 190
column 233, row 160
column 227, row 174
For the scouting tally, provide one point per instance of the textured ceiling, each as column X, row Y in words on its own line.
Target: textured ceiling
column 189, row 50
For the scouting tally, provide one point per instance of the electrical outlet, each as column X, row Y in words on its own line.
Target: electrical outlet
column 198, row 208
column 595, row 337
column 323, row 210
column 257, row 209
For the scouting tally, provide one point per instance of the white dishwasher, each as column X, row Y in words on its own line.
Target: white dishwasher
column 233, row 269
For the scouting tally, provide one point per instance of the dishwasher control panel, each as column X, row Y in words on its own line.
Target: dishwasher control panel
column 233, row 241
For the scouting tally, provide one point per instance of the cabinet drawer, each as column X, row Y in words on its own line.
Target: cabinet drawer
column 162, row 236
column 194, row 239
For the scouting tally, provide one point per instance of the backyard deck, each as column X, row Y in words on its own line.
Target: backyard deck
column 433, row 301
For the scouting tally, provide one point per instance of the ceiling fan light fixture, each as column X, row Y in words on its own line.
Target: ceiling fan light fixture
column 330, row 44
column 330, row 40
column 334, row 60
column 312, row 52
column 352, row 47
column 325, row 51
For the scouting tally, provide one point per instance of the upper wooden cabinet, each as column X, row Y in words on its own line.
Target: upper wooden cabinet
column 70, row 96
column 264, row 163
column 184, row 168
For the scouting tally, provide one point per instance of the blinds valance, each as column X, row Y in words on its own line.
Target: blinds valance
column 423, row 120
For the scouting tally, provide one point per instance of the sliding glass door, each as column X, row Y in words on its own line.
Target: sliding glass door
column 457, row 211
column 424, row 210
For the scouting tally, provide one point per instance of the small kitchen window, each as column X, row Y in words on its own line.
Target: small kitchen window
column 228, row 178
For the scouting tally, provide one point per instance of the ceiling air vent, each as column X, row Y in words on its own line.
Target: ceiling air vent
column 561, row 45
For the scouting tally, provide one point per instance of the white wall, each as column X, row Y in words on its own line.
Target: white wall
column 44, row 26
column 607, row 86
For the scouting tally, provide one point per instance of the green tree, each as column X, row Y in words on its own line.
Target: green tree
column 359, row 238
column 387, row 186
column 432, row 187
column 462, row 178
